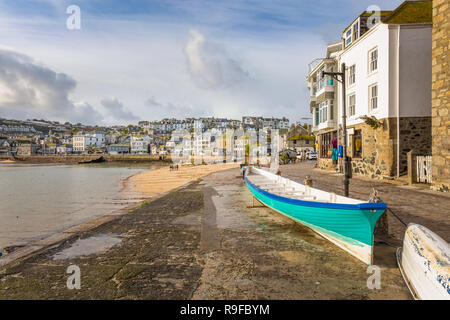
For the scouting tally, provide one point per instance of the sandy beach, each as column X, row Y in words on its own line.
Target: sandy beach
column 154, row 182
column 7, row 161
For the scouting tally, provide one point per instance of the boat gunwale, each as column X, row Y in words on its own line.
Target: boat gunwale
column 326, row 205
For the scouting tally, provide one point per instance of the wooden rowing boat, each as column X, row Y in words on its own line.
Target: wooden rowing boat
column 346, row 222
column 424, row 262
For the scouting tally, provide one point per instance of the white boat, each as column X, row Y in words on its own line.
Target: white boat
column 346, row 222
column 424, row 262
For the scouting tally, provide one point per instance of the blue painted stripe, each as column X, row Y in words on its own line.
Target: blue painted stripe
column 326, row 205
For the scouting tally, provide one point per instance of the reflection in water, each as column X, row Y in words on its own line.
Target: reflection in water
column 37, row 201
column 88, row 246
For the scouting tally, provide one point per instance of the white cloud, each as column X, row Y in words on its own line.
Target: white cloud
column 171, row 110
column 210, row 65
column 117, row 109
column 27, row 84
column 33, row 88
column 214, row 72
column 85, row 113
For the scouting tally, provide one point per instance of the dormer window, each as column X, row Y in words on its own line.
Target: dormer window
column 355, row 31
column 348, row 37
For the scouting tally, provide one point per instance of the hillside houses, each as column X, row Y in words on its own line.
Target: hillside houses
column 201, row 136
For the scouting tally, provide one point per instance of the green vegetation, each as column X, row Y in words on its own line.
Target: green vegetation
column 142, row 204
column 412, row 12
column 373, row 122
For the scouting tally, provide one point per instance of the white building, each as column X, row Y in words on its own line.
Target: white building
column 387, row 56
column 82, row 141
column 140, row 144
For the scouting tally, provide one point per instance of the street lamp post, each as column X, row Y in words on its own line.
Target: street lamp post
column 335, row 75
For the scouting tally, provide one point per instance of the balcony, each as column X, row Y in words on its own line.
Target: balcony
column 329, row 124
column 325, row 86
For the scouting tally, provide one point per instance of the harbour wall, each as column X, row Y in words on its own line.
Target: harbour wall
column 82, row 158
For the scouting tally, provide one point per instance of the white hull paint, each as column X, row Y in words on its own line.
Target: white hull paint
column 359, row 250
column 424, row 262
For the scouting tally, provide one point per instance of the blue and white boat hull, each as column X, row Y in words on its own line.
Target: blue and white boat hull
column 346, row 222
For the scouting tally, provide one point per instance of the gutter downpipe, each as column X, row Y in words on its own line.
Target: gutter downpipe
column 398, row 101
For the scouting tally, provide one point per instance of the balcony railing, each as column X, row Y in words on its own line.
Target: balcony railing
column 325, row 85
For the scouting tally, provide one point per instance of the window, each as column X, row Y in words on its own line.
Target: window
column 320, row 79
column 331, row 109
column 373, row 60
column 316, row 110
column 325, row 144
column 355, row 31
column 351, row 75
column 351, row 105
column 348, row 37
column 373, row 97
column 357, row 144
column 323, row 112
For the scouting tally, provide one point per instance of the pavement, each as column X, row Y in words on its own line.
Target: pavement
column 205, row 241
column 406, row 204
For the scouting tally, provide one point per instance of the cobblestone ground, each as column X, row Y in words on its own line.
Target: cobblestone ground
column 203, row 241
column 407, row 204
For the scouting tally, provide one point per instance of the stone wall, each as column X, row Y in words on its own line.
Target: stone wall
column 378, row 150
column 415, row 133
column 379, row 146
column 73, row 159
column 326, row 164
column 440, row 96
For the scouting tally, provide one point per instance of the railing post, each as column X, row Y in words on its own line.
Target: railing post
column 412, row 167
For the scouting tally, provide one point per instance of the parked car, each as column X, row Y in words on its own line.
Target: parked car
column 311, row 155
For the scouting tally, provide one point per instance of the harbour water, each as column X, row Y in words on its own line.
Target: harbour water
column 39, row 200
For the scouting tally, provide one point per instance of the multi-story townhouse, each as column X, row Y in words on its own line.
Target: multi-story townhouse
column 25, row 147
column 140, row 144
column 387, row 56
column 82, row 140
column 78, row 142
column 323, row 97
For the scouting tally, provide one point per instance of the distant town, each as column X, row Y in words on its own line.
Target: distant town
column 43, row 137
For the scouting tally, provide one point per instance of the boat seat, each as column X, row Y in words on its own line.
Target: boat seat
column 294, row 191
column 306, row 198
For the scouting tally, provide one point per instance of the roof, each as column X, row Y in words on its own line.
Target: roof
column 119, row 145
column 382, row 13
column 411, row 12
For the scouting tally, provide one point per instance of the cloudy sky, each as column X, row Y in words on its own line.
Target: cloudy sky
column 149, row 59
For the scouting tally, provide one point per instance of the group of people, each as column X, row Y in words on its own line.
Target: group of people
column 174, row 167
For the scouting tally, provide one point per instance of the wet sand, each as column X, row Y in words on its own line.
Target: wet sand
column 200, row 241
